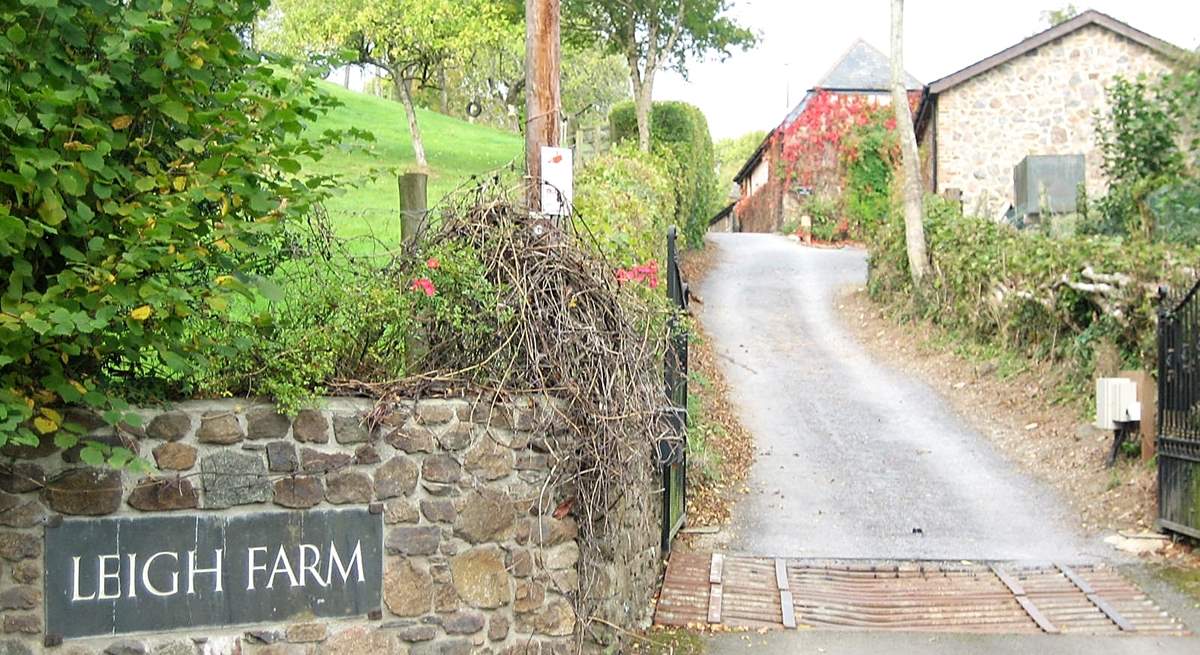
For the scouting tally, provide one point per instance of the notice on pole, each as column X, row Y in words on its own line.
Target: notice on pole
column 130, row 574
column 558, row 181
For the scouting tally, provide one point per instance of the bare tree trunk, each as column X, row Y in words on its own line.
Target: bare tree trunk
column 346, row 78
column 445, row 95
column 404, row 89
column 643, row 103
column 914, row 227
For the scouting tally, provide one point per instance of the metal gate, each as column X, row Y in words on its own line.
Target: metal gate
column 672, row 451
column 1179, row 413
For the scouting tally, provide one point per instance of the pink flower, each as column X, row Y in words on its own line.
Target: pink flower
column 433, row 263
column 424, row 285
column 646, row 273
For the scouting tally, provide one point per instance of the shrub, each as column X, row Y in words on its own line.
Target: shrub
column 1041, row 296
column 679, row 133
column 149, row 178
column 626, row 200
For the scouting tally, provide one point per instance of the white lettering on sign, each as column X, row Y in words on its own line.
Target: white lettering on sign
column 159, row 574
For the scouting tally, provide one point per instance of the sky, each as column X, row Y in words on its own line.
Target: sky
column 801, row 39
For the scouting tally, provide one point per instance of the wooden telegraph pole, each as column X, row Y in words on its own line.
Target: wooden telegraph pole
column 543, row 102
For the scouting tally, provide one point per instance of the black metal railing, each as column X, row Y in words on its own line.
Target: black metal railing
column 1179, row 413
column 672, row 450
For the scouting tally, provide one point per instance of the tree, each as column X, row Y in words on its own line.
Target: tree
column 914, row 227
column 732, row 153
column 491, row 73
column 1056, row 16
column 653, row 35
column 407, row 39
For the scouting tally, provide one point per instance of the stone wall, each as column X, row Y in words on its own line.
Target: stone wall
column 475, row 559
column 1041, row 103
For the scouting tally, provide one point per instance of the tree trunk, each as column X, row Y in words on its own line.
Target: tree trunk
column 404, row 89
column 914, row 227
column 445, row 95
column 346, row 79
column 643, row 103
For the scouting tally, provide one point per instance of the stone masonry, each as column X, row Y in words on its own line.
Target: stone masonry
column 475, row 559
column 1041, row 103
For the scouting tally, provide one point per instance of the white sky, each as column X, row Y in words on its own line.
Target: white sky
column 801, row 39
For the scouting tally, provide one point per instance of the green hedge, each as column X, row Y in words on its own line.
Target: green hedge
column 679, row 132
column 1015, row 289
column 627, row 200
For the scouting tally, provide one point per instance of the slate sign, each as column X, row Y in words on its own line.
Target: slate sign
column 118, row 575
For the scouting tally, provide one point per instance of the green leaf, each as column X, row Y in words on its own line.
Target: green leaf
column 92, row 454
column 175, row 110
column 16, row 34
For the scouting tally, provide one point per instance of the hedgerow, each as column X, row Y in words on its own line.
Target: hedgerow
column 679, row 133
column 626, row 199
column 1048, row 298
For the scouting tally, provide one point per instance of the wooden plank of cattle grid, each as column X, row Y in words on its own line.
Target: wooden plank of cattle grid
column 715, row 594
column 1096, row 599
column 781, row 579
column 786, row 606
column 788, row 609
column 1018, row 592
column 714, row 569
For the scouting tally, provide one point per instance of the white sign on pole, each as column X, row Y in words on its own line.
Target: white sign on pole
column 558, row 181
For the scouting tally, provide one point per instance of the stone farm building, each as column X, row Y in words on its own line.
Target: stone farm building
column 1037, row 97
column 763, row 203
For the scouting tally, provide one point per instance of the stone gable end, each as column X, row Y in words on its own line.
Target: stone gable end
column 1041, row 103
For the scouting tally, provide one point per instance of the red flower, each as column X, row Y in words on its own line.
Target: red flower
column 647, row 273
column 424, row 285
column 890, row 123
column 433, row 262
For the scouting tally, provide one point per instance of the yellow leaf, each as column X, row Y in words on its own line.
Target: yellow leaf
column 171, row 249
column 122, row 122
column 195, row 61
column 141, row 313
column 180, row 183
column 223, row 245
column 52, row 415
column 64, row 357
column 79, row 387
column 222, row 280
column 44, row 425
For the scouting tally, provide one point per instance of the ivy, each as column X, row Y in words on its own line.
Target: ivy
column 149, row 179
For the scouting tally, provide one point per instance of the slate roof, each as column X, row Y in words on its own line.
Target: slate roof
column 863, row 68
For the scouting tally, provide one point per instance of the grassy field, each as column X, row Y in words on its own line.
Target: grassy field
column 456, row 150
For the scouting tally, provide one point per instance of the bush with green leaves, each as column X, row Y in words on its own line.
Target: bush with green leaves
column 1149, row 139
column 1045, row 297
column 150, row 172
column 679, row 133
column 626, row 201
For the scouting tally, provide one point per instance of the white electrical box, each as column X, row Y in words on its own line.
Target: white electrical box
column 558, row 181
column 1116, row 400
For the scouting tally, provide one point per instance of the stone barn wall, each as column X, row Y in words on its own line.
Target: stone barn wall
column 1041, row 103
column 474, row 559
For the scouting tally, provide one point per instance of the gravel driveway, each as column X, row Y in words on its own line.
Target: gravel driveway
column 854, row 459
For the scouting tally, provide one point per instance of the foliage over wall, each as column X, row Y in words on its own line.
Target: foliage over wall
column 150, row 178
column 842, row 150
column 679, row 134
column 1048, row 298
